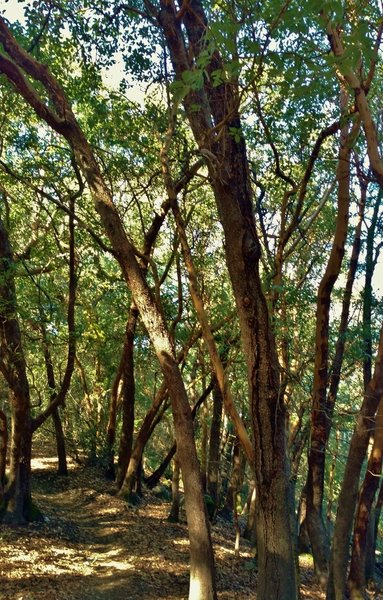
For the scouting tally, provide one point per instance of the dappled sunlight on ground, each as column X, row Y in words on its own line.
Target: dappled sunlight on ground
column 91, row 546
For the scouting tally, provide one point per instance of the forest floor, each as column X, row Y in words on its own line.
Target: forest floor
column 91, row 546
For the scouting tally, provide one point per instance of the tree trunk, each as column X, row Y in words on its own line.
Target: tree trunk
column 214, row 450
column 150, row 238
column 367, row 292
column 62, row 468
column 250, row 531
column 128, row 398
column 304, row 545
column 330, row 493
column 229, row 175
column 174, row 515
column 236, row 478
column 125, row 364
column 356, row 579
column 349, row 491
column 337, row 361
column 112, row 419
column 58, row 395
column 17, row 496
column 369, row 561
column 374, row 530
column 321, row 414
column 126, row 481
column 3, row 452
column 204, row 440
column 208, row 337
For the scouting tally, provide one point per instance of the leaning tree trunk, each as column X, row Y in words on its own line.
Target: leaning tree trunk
column 336, row 589
column 14, row 62
column 196, row 296
column 367, row 291
column 126, row 481
column 357, row 579
column 202, row 577
column 209, row 109
column 321, row 412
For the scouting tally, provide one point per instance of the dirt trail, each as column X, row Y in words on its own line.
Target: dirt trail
column 91, row 546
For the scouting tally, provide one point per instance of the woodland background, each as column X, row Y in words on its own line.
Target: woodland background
column 191, row 219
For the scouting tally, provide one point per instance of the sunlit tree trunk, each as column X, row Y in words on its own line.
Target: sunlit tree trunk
column 236, row 477
column 249, row 532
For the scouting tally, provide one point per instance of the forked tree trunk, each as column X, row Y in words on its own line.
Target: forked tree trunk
column 126, row 481
column 126, row 366
column 128, row 399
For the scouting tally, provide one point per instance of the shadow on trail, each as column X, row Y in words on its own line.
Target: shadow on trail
column 91, row 546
